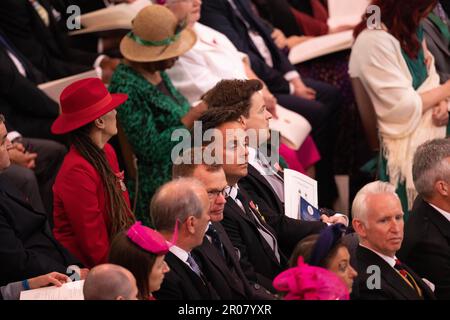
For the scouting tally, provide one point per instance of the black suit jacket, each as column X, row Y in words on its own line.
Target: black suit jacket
column 181, row 283
column 226, row 275
column 257, row 259
column 27, row 246
column 46, row 47
column 219, row 15
column 290, row 231
column 426, row 246
column 26, row 108
column 225, row 280
column 392, row 285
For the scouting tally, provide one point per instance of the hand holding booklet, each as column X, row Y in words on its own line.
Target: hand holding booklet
column 68, row 291
column 300, row 196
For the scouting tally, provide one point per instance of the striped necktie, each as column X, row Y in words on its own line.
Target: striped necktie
column 407, row 277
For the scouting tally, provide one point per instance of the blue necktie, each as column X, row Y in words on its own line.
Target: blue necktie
column 194, row 266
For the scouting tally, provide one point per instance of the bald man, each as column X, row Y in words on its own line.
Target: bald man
column 110, row 282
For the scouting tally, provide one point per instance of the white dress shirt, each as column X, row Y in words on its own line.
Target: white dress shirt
column 180, row 254
column 389, row 260
column 265, row 169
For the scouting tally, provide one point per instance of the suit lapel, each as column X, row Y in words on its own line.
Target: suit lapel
column 227, row 245
column 389, row 274
column 253, row 172
column 184, row 272
column 233, row 206
column 211, row 253
column 439, row 221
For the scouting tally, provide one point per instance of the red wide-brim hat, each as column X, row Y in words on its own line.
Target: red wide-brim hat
column 84, row 101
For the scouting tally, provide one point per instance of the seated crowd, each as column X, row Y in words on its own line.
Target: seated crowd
column 204, row 218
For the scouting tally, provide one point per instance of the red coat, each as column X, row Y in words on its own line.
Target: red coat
column 79, row 211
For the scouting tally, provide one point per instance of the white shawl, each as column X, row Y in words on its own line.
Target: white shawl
column 377, row 61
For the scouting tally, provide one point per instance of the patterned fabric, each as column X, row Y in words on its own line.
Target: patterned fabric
column 148, row 119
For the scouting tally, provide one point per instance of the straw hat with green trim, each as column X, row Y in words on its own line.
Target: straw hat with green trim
column 156, row 35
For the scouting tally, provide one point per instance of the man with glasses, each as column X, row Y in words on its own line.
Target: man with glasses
column 219, row 258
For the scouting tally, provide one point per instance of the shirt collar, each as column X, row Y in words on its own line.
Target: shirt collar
column 234, row 191
column 390, row 260
column 179, row 253
column 443, row 212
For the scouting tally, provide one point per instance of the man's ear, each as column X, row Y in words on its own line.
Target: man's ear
column 359, row 227
column 190, row 224
column 442, row 188
column 99, row 123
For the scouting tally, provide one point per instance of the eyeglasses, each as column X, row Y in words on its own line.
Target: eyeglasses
column 225, row 192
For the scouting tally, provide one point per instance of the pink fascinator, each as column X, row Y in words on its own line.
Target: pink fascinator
column 306, row 282
column 149, row 239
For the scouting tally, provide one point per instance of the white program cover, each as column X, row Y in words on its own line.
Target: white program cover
column 298, row 185
column 54, row 88
column 68, row 291
column 345, row 12
column 320, row 46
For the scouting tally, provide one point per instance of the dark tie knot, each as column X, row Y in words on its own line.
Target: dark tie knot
column 212, row 232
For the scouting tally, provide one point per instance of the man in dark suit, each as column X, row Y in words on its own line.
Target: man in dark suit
column 32, row 28
column 28, row 110
column 316, row 101
column 30, row 114
column 426, row 246
column 217, row 253
column 257, row 243
column 264, row 183
column 27, row 246
column 183, row 204
column 378, row 221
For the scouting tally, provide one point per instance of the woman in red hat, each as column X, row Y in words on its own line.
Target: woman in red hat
column 91, row 203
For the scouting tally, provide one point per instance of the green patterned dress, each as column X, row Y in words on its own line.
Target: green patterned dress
column 148, row 119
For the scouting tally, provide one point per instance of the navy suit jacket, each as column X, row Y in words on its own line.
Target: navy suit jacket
column 219, row 15
column 46, row 47
column 27, row 246
column 181, row 283
column 27, row 109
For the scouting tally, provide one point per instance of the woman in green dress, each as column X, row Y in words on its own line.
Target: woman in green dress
column 154, row 108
